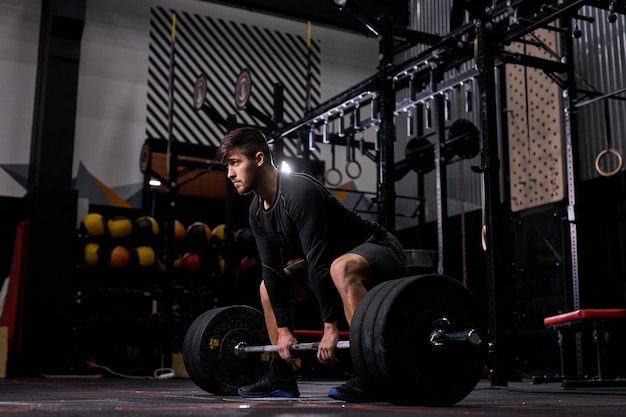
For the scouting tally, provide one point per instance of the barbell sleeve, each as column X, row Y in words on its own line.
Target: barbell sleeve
column 439, row 337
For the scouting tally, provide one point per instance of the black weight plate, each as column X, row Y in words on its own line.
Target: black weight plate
column 361, row 334
column 415, row 371
column 421, row 155
column 377, row 315
column 464, row 139
column 209, row 349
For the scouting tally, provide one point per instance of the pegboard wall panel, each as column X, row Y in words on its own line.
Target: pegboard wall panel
column 535, row 127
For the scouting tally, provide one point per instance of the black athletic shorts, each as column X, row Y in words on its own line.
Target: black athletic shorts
column 383, row 252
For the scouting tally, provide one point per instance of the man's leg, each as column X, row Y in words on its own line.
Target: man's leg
column 280, row 381
column 297, row 293
column 352, row 276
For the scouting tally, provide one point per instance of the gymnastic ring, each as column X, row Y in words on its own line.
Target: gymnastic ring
column 358, row 169
column 620, row 162
column 333, row 184
column 483, row 237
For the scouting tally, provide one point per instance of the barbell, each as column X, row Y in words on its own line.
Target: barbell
column 438, row 337
column 416, row 340
column 242, row 348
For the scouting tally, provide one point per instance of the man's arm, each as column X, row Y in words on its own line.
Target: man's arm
column 272, row 272
column 308, row 208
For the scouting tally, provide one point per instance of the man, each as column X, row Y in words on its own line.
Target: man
column 294, row 216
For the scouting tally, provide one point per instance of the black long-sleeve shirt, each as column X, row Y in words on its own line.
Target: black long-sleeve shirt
column 307, row 222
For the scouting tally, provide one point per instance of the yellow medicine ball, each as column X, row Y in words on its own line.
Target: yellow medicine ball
column 93, row 225
column 219, row 231
column 143, row 256
column 179, row 231
column 162, row 261
column 91, row 254
column 119, row 226
column 145, row 227
column 221, row 264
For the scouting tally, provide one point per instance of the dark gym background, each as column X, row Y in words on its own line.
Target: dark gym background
column 134, row 320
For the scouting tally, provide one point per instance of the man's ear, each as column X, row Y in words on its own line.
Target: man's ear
column 259, row 158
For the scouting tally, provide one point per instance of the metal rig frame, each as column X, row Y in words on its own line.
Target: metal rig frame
column 495, row 24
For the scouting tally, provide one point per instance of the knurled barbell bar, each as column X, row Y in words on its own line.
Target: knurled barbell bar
column 438, row 337
column 242, row 348
column 416, row 340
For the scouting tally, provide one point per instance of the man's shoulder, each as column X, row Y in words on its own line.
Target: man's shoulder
column 254, row 206
column 297, row 180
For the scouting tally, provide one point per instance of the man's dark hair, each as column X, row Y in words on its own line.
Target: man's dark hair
column 247, row 140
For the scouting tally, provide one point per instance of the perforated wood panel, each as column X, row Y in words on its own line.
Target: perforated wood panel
column 535, row 128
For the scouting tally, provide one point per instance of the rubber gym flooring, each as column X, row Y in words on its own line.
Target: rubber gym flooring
column 34, row 397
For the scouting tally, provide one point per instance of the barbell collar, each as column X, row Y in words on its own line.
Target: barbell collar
column 439, row 337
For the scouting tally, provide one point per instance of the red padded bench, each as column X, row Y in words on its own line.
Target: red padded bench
column 585, row 314
column 592, row 320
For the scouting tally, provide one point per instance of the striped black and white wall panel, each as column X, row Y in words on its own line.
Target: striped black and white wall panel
column 221, row 49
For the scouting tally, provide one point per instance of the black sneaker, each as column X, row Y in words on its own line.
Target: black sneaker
column 271, row 386
column 352, row 391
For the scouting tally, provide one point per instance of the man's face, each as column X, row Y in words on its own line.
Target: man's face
column 243, row 172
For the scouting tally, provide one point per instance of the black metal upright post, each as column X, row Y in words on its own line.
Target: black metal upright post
column 572, row 174
column 386, row 170
column 494, row 218
column 440, row 168
column 56, row 91
column 172, row 176
column 51, row 200
column 421, row 193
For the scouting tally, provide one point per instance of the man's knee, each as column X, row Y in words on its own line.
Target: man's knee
column 348, row 270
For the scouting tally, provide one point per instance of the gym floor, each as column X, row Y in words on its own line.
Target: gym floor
column 180, row 397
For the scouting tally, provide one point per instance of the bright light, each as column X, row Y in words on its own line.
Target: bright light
column 284, row 167
column 155, row 183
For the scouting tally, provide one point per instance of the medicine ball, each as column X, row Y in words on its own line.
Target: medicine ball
column 245, row 244
column 219, row 231
column 249, row 267
column 254, row 268
column 119, row 226
column 221, row 264
column 179, row 231
column 93, row 225
column 145, row 228
column 119, row 257
column 191, row 262
column 162, row 261
column 91, row 254
column 143, row 256
column 198, row 233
